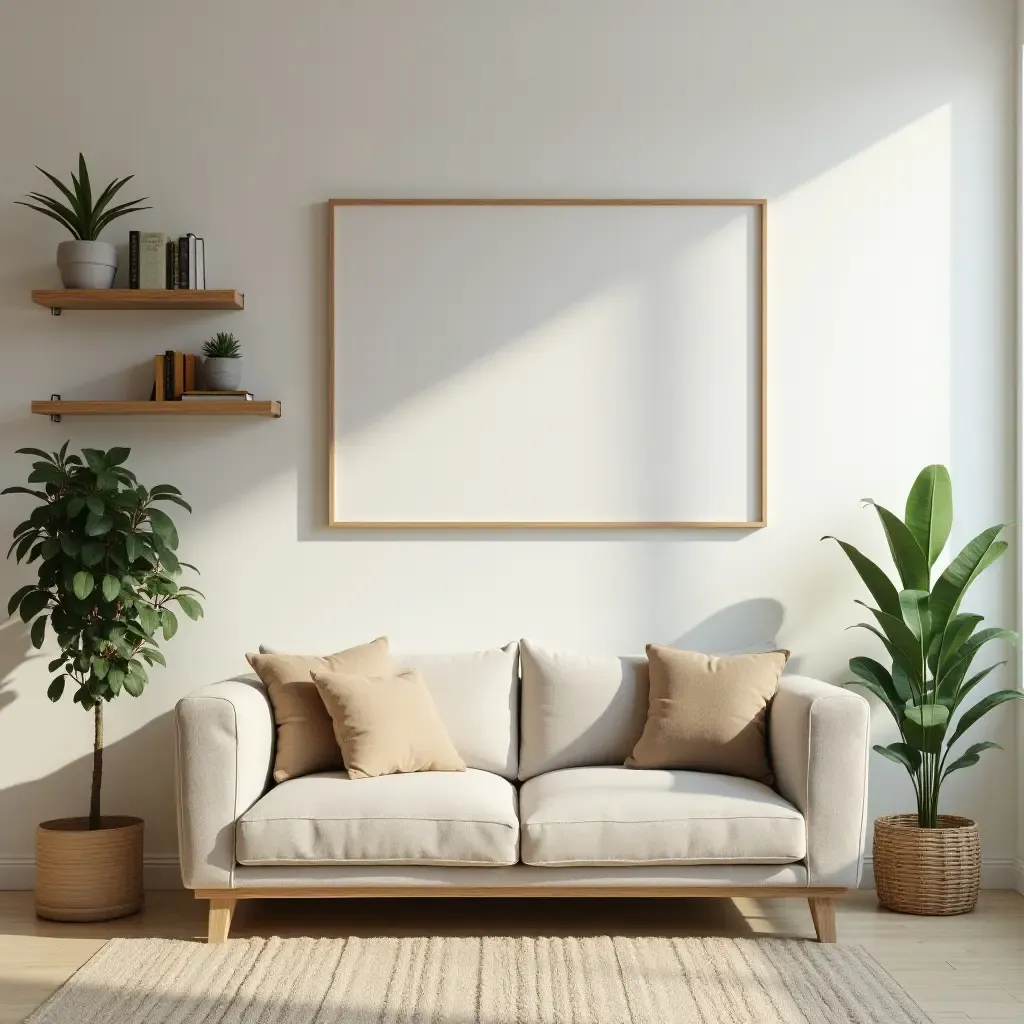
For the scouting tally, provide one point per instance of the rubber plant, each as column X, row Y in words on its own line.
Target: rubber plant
column 931, row 642
column 107, row 578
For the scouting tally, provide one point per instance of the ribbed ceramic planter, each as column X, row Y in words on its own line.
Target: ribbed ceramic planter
column 88, row 875
column 931, row 871
column 89, row 265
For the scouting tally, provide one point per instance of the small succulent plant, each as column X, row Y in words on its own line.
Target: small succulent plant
column 222, row 345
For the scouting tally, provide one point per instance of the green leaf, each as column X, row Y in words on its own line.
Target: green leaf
column 33, row 603
column 18, row 596
column 878, row 679
column 924, row 727
column 916, row 616
column 134, row 684
column 115, row 680
column 965, row 688
column 151, row 654
column 951, row 676
column 951, row 586
column 70, row 545
column 879, row 585
column 95, row 459
column 971, row 756
column 63, row 221
column 55, row 689
column 164, row 489
column 904, row 673
column 901, row 637
column 190, row 606
column 907, row 555
column 163, row 526
column 133, row 547
column 958, row 630
column 75, row 506
column 111, row 588
column 93, row 552
column 38, row 632
column 901, row 754
column 149, row 619
column 96, row 504
column 170, row 623
column 56, row 663
column 100, row 667
column 83, row 585
column 982, row 708
column 41, row 495
column 118, row 455
column 38, row 452
column 97, row 526
column 173, row 497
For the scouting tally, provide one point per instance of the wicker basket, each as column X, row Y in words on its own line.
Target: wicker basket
column 932, row 871
column 88, row 875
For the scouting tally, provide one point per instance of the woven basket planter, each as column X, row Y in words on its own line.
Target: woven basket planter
column 88, row 875
column 932, row 871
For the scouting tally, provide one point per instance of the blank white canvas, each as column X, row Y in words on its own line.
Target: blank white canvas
column 581, row 364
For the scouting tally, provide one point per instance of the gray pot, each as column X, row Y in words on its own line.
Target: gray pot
column 87, row 264
column 222, row 374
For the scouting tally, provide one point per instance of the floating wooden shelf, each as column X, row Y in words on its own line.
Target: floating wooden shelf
column 136, row 298
column 206, row 407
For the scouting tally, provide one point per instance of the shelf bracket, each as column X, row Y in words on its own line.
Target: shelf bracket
column 55, row 417
column 55, row 311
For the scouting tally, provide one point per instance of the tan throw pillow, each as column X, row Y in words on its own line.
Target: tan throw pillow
column 305, row 737
column 709, row 714
column 387, row 725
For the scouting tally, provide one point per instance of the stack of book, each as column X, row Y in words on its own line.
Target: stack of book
column 174, row 374
column 158, row 261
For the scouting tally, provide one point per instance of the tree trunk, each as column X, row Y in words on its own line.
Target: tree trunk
column 97, row 767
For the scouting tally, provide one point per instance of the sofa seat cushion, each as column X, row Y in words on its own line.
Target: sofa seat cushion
column 466, row 818
column 601, row 816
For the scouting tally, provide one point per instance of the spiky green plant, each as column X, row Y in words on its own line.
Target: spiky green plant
column 83, row 218
column 222, row 345
column 930, row 641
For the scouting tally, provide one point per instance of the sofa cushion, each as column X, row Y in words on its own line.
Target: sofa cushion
column 601, row 816
column 305, row 739
column 579, row 710
column 464, row 818
column 477, row 696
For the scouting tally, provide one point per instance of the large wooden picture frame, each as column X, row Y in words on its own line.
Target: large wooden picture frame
column 754, row 380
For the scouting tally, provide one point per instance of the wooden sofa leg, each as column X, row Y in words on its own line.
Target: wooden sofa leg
column 823, row 914
column 221, row 912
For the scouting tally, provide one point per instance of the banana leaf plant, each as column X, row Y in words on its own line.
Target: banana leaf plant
column 930, row 641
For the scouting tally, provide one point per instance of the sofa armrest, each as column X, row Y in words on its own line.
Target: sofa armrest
column 820, row 739
column 224, row 757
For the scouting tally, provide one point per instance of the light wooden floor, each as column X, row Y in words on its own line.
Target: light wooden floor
column 967, row 968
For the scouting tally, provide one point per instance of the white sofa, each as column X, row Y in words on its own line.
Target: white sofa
column 545, row 808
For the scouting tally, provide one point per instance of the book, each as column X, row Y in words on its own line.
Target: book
column 152, row 260
column 183, row 262
column 169, row 376
column 179, row 375
column 175, row 270
column 133, row 259
column 191, row 260
column 200, row 396
column 171, row 277
column 190, row 372
column 159, row 394
column 201, row 264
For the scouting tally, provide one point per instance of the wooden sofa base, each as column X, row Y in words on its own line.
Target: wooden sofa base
column 822, row 900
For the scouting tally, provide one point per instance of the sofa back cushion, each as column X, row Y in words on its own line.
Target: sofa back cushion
column 579, row 710
column 477, row 698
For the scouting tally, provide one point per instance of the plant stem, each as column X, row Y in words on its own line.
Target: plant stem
column 97, row 766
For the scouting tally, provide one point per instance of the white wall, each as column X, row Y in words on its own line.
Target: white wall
column 882, row 133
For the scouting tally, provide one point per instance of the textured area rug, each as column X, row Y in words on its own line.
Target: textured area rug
column 480, row 981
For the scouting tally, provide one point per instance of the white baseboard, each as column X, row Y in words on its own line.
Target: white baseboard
column 158, row 872
column 996, row 873
column 161, row 872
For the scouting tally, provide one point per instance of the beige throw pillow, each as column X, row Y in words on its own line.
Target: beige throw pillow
column 305, row 736
column 386, row 725
column 709, row 714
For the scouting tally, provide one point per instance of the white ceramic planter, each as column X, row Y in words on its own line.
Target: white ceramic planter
column 222, row 374
column 87, row 264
